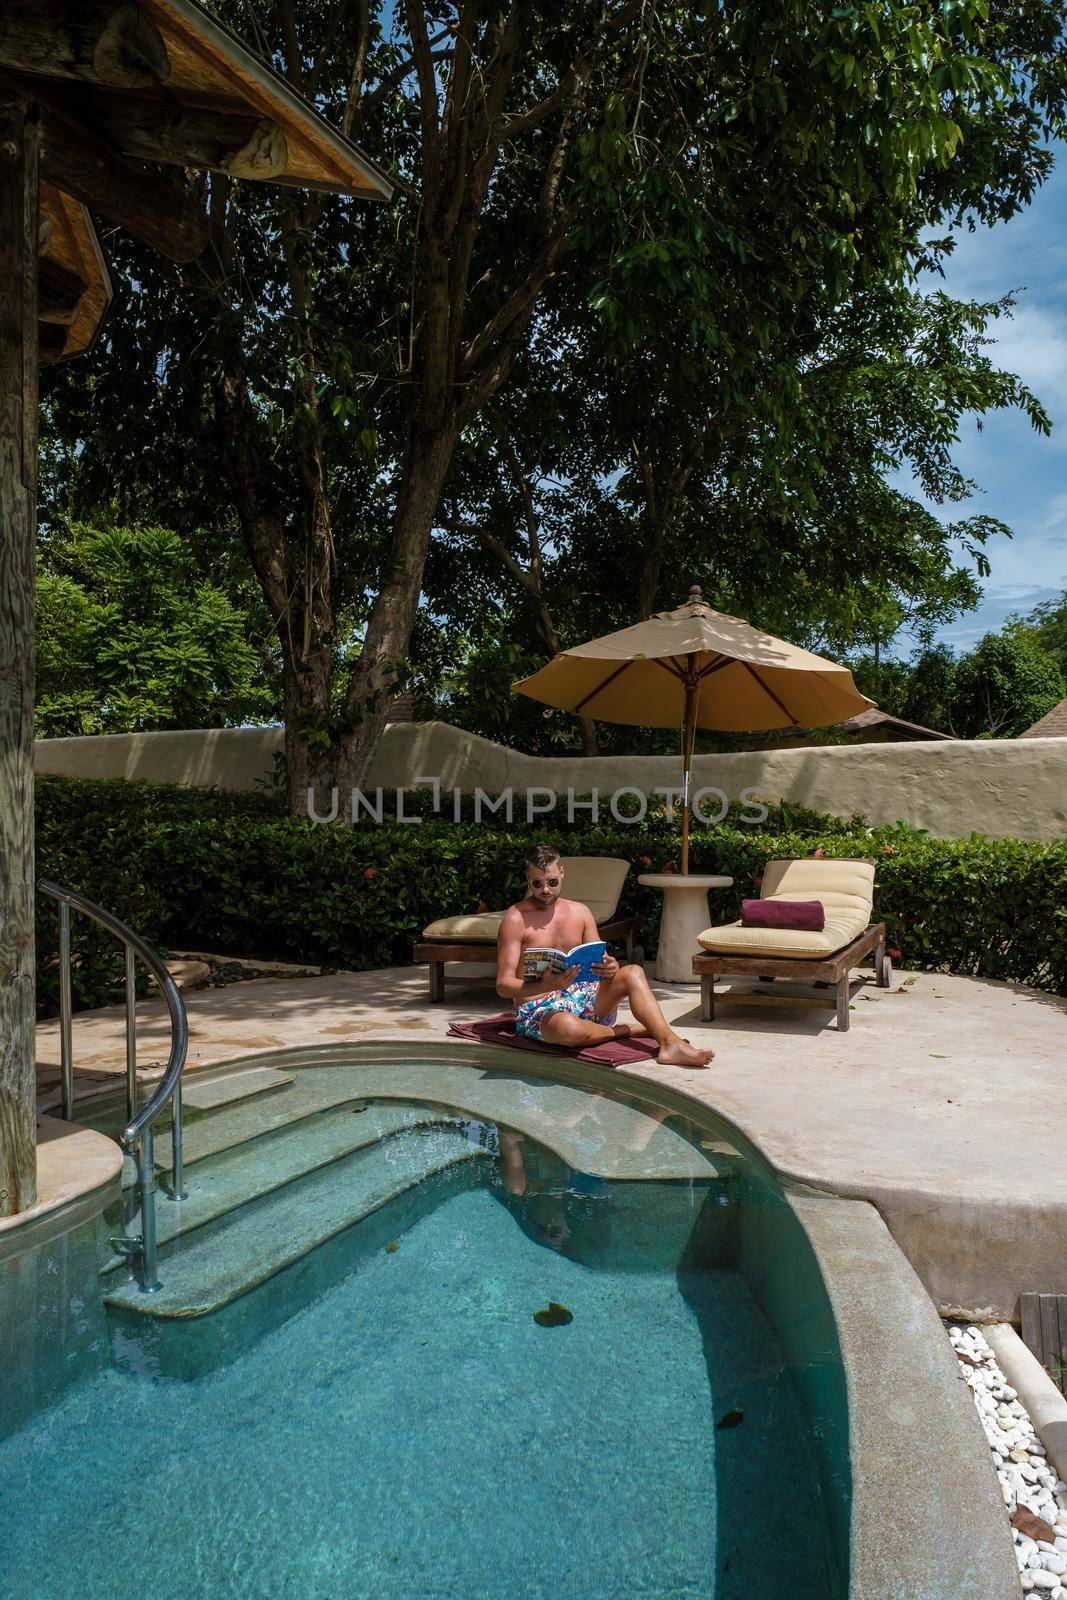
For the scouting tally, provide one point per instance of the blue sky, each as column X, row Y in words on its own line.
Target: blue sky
column 1022, row 475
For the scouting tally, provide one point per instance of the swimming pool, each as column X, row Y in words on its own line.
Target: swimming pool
column 427, row 1329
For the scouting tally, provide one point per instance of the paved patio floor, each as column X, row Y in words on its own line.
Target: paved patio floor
column 945, row 1104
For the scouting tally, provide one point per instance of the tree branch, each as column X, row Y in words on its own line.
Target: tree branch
column 580, row 68
column 424, row 70
column 508, row 320
column 294, row 61
column 354, row 97
column 533, row 525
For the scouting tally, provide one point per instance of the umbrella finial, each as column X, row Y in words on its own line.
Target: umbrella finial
column 695, row 596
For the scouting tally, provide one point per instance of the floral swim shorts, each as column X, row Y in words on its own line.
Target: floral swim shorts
column 579, row 999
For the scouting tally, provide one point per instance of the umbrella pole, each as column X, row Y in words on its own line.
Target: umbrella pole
column 687, row 758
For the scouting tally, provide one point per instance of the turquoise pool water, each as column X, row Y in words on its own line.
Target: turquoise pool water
column 388, row 1419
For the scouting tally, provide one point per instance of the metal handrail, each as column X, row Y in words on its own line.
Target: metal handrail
column 137, row 1136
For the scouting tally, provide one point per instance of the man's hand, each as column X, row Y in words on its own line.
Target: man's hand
column 549, row 982
column 606, row 968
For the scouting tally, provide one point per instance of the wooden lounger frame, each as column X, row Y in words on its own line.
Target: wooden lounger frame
column 438, row 951
column 832, row 969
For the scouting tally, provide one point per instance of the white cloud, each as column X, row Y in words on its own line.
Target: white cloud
column 1033, row 344
column 1054, row 527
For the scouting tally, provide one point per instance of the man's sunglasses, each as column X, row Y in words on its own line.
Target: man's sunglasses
column 544, row 883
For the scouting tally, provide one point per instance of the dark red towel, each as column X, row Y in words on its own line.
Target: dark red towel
column 501, row 1030
column 807, row 915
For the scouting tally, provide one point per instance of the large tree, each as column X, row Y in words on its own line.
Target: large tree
column 785, row 503
column 327, row 367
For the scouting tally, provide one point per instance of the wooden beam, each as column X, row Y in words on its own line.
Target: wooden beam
column 18, row 527
column 109, row 42
column 153, row 209
column 57, row 300
column 51, row 342
column 151, row 130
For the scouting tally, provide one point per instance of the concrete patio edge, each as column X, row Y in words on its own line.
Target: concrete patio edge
column 928, row 1517
column 78, row 1172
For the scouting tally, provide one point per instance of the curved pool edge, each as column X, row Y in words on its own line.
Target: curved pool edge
column 926, row 1513
column 78, row 1174
column 928, row 1517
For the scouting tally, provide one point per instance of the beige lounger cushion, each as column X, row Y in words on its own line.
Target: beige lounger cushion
column 595, row 880
column 486, row 925
column 846, row 890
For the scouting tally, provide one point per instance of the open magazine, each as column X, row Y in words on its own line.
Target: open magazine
column 536, row 961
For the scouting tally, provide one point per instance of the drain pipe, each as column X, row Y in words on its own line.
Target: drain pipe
column 1044, row 1402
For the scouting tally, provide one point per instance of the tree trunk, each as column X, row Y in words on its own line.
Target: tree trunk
column 385, row 648
column 18, row 522
column 662, row 493
column 546, row 630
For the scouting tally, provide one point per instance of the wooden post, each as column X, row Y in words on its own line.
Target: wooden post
column 18, row 522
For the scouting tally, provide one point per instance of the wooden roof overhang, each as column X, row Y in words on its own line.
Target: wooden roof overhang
column 127, row 88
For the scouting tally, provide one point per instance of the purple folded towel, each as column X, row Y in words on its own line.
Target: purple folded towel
column 501, row 1030
column 806, row 916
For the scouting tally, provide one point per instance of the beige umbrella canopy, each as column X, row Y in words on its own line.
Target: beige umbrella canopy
column 696, row 668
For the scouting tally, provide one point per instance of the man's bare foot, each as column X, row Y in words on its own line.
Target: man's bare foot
column 680, row 1053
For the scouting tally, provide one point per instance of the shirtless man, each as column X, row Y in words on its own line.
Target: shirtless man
column 557, row 1009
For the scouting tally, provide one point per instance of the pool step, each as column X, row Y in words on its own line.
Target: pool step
column 236, row 1123
column 605, row 1138
column 208, row 1094
column 246, row 1172
column 226, row 1259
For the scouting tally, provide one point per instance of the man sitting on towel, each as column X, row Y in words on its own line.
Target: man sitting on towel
column 554, row 1007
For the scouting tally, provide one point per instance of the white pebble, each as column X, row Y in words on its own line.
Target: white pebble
column 1045, row 1580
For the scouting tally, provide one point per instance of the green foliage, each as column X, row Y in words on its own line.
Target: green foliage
column 1002, row 687
column 1046, row 627
column 995, row 691
column 238, row 876
column 131, row 636
column 741, row 188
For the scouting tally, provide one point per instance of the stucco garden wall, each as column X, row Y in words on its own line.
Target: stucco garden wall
column 952, row 788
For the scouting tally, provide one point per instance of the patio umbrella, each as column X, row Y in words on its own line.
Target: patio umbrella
column 696, row 668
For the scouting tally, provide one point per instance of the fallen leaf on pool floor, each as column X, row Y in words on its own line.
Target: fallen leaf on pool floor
column 730, row 1419
column 553, row 1316
column 391, row 1247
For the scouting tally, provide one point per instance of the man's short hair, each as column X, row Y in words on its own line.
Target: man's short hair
column 540, row 856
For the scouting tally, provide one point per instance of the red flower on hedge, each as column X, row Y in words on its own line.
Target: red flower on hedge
column 646, row 861
column 895, row 954
column 758, row 881
column 889, row 849
column 819, row 853
column 482, row 906
column 667, row 867
column 371, row 872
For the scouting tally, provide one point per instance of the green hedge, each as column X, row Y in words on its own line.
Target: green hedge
column 235, row 874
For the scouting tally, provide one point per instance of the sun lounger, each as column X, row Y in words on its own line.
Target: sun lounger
column 595, row 880
column 846, row 890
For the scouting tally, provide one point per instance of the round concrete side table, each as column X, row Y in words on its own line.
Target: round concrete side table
column 685, row 915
